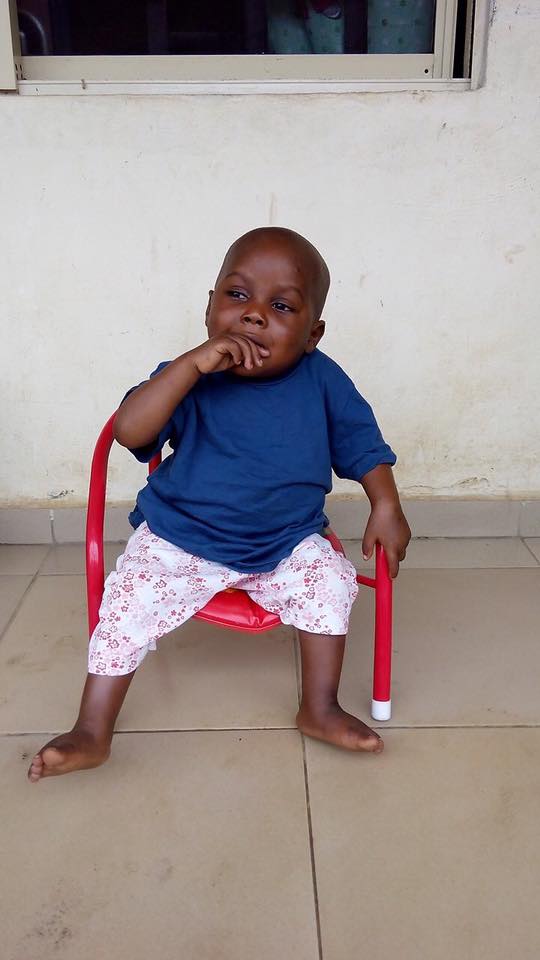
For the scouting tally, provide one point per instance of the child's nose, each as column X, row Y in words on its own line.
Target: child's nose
column 255, row 316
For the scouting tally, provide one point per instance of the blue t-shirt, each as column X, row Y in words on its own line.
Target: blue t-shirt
column 252, row 461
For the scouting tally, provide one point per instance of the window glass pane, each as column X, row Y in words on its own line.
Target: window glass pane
column 116, row 27
column 400, row 26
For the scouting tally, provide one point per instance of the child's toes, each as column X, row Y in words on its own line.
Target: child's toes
column 357, row 739
column 49, row 762
column 367, row 739
column 35, row 770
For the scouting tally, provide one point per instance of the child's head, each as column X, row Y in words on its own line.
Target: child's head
column 271, row 288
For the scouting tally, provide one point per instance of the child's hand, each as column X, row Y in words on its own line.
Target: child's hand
column 226, row 351
column 387, row 525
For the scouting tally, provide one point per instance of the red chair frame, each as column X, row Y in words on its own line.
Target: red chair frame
column 233, row 608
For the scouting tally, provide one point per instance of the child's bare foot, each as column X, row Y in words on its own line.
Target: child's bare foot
column 332, row 724
column 77, row 750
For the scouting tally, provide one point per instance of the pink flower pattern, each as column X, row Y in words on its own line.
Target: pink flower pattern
column 157, row 586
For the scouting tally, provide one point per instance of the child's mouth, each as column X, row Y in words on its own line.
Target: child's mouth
column 259, row 343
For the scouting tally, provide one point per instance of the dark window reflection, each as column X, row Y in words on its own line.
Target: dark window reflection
column 378, row 26
column 218, row 27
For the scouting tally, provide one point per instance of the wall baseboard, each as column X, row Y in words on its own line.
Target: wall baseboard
column 348, row 516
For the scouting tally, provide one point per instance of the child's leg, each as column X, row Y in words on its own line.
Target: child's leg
column 155, row 588
column 320, row 714
column 314, row 589
column 88, row 744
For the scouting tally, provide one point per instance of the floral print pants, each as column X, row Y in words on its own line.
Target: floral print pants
column 157, row 586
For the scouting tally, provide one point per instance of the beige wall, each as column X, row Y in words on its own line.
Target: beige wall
column 116, row 212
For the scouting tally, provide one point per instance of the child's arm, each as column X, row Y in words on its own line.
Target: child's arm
column 145, row 411
column 387, row 524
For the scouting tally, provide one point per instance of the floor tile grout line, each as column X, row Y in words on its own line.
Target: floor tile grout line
column 403, row 569
column 118, row 733
column 527, row 547
column 312, row 850
column 19, row 605
column 38, row 571
column 371, row 570
column 298, row 671
column 457, row 726
column 462, row 565
column 472, row 727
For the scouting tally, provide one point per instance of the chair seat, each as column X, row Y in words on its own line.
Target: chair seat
column 236, row 610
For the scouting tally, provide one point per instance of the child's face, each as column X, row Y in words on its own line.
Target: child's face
column 265, row 292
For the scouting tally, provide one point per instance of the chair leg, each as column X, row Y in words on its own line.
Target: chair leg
column 381, row 704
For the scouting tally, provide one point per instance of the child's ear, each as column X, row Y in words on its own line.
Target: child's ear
column 317, row 332
column 209, row 304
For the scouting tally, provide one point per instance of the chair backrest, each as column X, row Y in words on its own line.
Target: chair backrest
column 95, row 516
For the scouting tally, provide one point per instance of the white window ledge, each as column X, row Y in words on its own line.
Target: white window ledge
column 228, row 87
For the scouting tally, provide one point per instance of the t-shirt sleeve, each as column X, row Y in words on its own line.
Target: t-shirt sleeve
column 356, row 443
column 170, row 432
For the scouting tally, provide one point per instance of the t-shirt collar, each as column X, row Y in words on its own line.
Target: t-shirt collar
column 268, row 381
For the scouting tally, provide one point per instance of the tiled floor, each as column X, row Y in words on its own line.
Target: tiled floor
column 216, row 833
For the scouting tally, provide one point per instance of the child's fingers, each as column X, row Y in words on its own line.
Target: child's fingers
column 242, row 350
column 247, row 353
column 254, row 355
column 393, row 555
column 393, row 563
column 252, row 352
column 239, row 350
column 368, row 546
column 233, row 348
column 261, row 353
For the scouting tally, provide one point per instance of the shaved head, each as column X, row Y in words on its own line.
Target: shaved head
column 300, row 250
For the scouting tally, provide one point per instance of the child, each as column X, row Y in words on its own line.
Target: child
column 256, row 417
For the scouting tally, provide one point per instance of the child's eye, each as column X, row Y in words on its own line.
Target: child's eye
column 236, row 294
column 282, row 307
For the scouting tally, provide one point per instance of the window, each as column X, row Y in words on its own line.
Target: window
column 300, row 44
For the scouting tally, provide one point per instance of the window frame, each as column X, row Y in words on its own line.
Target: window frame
column 246, row 73
column 10, row 51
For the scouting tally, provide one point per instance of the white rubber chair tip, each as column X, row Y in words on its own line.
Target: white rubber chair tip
column 381, row 709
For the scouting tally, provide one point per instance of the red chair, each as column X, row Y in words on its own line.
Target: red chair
column 234, row 608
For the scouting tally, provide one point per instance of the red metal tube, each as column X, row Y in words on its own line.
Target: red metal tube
column 94, row 523
column 382, row 666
